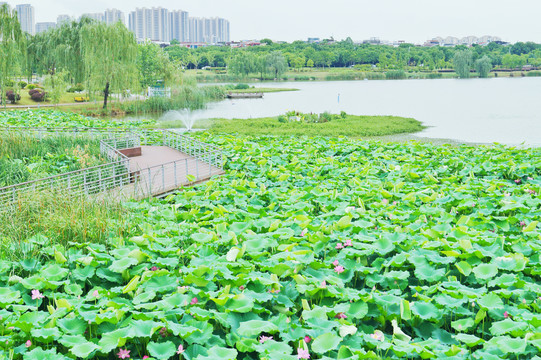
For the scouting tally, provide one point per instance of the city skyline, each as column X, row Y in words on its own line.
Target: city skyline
column 414, row 21
column 156, row 24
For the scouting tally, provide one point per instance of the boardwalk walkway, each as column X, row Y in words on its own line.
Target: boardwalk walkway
column 161, row 169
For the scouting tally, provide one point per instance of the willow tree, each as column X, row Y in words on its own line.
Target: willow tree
column 12, row 47
column 59, row 49
column 462, row 62
column 110, row 58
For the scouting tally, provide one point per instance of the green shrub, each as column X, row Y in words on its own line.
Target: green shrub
column 242, row 87
column 76, row 88
column 22, row 84
column 534, row 73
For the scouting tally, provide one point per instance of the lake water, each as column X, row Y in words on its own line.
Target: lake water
column 505, row 110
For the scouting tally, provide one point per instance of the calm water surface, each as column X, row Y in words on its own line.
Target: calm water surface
column 506, row 110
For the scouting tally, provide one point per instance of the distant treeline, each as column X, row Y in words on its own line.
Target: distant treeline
column 365, row 56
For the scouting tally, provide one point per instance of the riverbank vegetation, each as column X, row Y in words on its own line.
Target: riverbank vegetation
column 326, row 247
column 302, row 58
column 298, row 124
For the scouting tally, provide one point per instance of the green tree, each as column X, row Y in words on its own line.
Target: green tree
column 512, row 61
column 483, row 66
column 462, row 62
column 298, row 62
column 12, row 48
column 110, row 54
column 175, row 42
column 310, row 63
column 210, row 56
column 56, row 84
column 153, row 64
column 277, row 64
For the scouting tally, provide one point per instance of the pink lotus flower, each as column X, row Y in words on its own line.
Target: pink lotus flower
column 28, row 343
column 385, row 201
column 530, row 178
column 145, row 357
column 180, row 349
column 341, row 316
column 304, row 232
column 377, row 335
column 524, row 301
column 123, row 354
column 323, row 284
column 95, row 293
column 303, row 354
column 339, row 246
column 335, row 262
column 339, row 269
column 154, row 268
column 307, row 339
column 522, row 223
column 36, row 295
column 518, row 181
column 241, row 287
column 194, row 301
column 264, row 338
column 506, row 315
column 348, row 243
column 395, row 203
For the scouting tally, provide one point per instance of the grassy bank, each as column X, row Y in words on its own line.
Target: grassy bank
column 352, row 126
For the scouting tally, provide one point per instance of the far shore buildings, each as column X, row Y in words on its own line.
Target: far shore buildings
column 450, row 41
column 156, row 24
column 161, row 25
column 44, row 26
column 25, row 13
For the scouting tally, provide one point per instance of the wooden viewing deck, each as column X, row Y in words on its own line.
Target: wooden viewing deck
column 160, row 169
column 244, row 95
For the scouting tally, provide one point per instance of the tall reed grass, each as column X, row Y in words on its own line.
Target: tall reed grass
column 43, row 219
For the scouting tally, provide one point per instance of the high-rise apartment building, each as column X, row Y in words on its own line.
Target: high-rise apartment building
column 157, row 24
column 113, row 16
column 25, row 13
column 62, row 19
column 44, row 26
column 94, row 16
column 179, row 25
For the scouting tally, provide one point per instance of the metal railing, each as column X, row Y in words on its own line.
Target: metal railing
column 116, row 178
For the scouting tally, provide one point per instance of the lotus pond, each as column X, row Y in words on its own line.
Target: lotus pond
column 307, row 248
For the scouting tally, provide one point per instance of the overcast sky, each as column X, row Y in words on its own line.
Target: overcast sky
column 409, row 20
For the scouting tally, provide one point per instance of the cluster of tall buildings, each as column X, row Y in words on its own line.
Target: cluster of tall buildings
column 160, row 24
column 468, row 40
column 156, row 24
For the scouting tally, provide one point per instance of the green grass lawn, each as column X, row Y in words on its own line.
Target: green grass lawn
column 352, row 126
